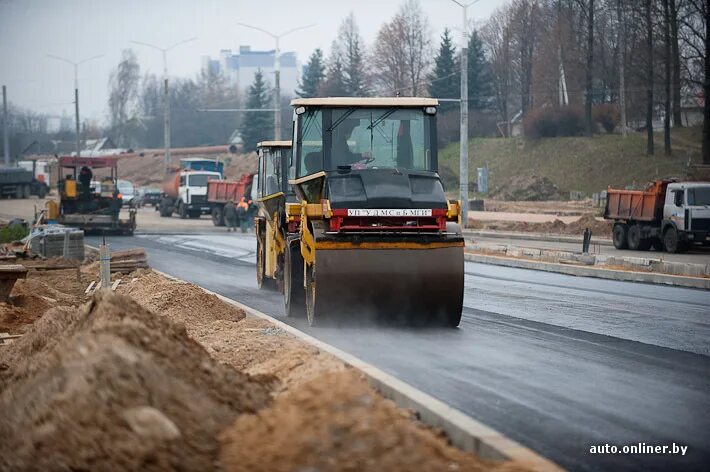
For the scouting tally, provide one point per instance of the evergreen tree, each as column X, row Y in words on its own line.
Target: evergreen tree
column 350, row 51
column 257, row 125
column 444, row 81
column 479, row 79
column 334, row 84
column 313, row 76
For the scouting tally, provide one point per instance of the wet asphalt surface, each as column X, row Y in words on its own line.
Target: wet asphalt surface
column 556, row 362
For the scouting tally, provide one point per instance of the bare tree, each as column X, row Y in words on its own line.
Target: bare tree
column 668, row 79
column 526, row 35
column 675, row 54
column 402, row 51
column 497, row 36
column 649, row 78
column 123, row 84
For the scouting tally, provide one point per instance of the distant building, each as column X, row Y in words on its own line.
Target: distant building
column 239, row 69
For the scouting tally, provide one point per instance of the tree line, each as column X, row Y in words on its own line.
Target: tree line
column 548, row 67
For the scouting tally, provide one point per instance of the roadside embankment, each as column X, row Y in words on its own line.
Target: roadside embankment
column 163, row 375
column 633, row 269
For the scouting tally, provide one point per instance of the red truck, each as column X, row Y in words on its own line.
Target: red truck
column 220, row 192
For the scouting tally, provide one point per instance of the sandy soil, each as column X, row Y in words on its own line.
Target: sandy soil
column 172, row 377
column 546, row 224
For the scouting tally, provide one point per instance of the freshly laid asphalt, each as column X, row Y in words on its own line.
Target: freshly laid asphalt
column 555, row 362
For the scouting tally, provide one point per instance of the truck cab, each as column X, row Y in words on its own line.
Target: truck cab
column 192, row 193
column 686, row 212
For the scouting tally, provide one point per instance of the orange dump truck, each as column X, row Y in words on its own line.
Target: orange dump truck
column 220, row 192
column 665, row 215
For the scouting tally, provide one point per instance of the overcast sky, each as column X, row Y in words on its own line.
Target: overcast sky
column 78, row 29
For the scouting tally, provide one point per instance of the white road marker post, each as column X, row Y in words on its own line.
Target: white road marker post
column 105, row 265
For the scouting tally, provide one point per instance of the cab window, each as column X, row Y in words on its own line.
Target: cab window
column 310, row 142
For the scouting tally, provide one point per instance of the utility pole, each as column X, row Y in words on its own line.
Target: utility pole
column 76, row 94
column 5, row 125
column 277, row 73
column 463, row 153
column 166, row 96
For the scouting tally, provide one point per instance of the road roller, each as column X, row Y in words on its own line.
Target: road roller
column 376, row 234
column 271, row 186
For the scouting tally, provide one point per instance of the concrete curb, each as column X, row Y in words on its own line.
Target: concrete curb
column 584, row 271
column 535, row 237
column 464, row 432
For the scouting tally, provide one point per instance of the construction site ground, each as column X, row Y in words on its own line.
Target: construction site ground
column 162, row 375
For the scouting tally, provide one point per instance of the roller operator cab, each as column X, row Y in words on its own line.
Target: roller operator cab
column 271, row 192
column 377, row 235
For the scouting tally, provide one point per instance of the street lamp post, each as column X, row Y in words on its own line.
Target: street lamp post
column 76, row 94
column 166, row 94
column 463, row 153
column 277, row 73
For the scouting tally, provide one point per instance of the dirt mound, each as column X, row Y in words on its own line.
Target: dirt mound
column 180, row 301
column 337, row 423
column 600, row 228
column 112, row 386
column 527, row 188
column 29, row 300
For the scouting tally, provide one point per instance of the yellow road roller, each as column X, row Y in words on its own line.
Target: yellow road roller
column 376, row 233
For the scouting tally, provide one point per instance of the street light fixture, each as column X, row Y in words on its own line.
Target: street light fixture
column 166, row 94
column 277, row 72
column 76, row 93
column 463, row 153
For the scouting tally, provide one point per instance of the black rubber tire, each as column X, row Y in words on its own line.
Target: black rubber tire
column 26, row 191
column 633, row 238
column 619, row 236
column 645, row 244
column 671, row 241
column 182, row 210
column 294, row 293
column 217, row 216
column 657, row 244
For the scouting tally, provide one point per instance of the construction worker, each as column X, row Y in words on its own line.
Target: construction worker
column 242, row 208
column 230, row 216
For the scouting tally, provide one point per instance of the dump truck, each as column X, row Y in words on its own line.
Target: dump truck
column 20, row 182
column 83, row 206
column 219, row 192
column 666, row 215
column 270, row 222
column 377, row 235
column 185, row 193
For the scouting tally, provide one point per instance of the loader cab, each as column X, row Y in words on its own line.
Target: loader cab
column 366, row 152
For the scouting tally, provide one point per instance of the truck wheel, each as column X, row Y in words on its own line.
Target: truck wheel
column 633, row 237
column 217, row 216
column 182, row 210
column 671, row 241
column 657, row 244
column 294, row 294
column 619, row 236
